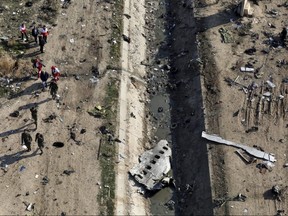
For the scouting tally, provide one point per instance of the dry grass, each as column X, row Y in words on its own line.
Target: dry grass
column 23, row 68
column 50, row 9
column 7, row 65
column 14, row 68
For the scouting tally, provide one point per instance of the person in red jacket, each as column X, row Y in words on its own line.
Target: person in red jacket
column 45, row 33
column 38, row 64
column 23, row 31
column 55, row 73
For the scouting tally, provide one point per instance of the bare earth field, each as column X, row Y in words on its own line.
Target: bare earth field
column 111, row 55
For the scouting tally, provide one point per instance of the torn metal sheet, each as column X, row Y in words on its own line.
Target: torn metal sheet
column 154, row 165
column 252, row 151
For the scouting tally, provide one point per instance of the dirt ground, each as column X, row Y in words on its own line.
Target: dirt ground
column 77, row 44
column 89, row 176
column 247, row 118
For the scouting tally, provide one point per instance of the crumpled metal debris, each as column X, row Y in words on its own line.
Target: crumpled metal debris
column 226, row 35
column 154, row 165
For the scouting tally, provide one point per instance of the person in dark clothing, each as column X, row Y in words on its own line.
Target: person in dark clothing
column 26, row 140
column 39, row 138
column 44, row 77
column 283, row 36
column 34, row 111
column 53, row 89
column 35, row 33
column 41, row 43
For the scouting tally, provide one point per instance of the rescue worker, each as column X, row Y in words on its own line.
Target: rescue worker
column 41, row 43
column 53, row 88
column 45, row 33
column 44, row 77
column 26, row 139
column 55, row 73
column 35, row 33
column 40, row 141
column 34, row 111
column 38, row 64
column 23, row 32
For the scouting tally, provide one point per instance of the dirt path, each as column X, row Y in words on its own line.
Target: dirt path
column 131, row 103
column 74, row 45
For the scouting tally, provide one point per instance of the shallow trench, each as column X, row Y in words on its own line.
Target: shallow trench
column 176, row 107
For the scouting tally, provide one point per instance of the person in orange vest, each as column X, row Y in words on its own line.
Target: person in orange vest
column 55, row 73
column 23, row 31
column 45, row 33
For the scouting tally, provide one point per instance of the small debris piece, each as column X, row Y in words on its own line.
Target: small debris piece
column 226, row 36
column 272, row 85
column 266, row 165
column 117, row 140
column 247, row 158
column 104, row 130
column 29, row 4
column 45, row 180
column 250, row 51
column 126, row 38
column 22, row 168
column 72, row 135
column 97, row 112
column 50, row 118
column 236, row 113
column 68, row 172
column 127, row 16
column 132, row 115
column 280, row 212
column 170, row 204
column 240, row 197
column 252, row 129
column 83, row 131
column 276, row 191
column 30, row 207
column 66, row 4
column 247, row 69
column 14, row 114
column 58, row 144
column 267, row 94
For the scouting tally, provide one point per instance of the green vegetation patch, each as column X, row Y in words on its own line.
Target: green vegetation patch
column 107, row 148
column 116, row 35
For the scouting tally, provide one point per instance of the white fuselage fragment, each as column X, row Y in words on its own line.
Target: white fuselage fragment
column 252, row 151
column 154, row 165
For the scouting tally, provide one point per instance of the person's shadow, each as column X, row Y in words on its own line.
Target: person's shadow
column 34, row 87
column 18, row 130
column 9, row 159
column 30, row 105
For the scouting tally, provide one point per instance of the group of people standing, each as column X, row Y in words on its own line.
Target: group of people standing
column 39, row 33
column 26, row 139
column 44, row 76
